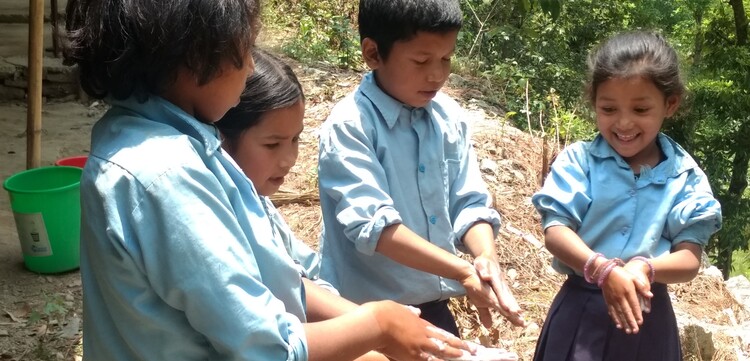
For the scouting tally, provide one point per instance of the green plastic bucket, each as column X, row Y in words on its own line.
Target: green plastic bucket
column 46, row 206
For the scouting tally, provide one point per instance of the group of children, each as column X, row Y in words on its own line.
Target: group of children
column 183, row 256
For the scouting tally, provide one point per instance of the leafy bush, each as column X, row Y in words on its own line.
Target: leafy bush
column 325, row 30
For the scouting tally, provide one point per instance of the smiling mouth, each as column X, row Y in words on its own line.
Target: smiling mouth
column 626, row 137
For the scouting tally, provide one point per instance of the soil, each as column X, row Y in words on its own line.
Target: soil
column 40, row 314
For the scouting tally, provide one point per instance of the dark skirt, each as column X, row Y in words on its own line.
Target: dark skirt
column 439, row 314
column 578, row 328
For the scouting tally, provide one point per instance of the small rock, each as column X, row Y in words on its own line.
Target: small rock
column 488, row 166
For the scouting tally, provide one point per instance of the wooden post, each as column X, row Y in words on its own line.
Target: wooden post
column 34, row 88
column 55, row 31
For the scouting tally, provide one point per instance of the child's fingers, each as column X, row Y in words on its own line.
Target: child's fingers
column 615, row 316
column 485, row 317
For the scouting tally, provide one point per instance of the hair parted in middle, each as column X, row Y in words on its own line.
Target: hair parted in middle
column 273, row 85
column 636, row 54
column 389, row 21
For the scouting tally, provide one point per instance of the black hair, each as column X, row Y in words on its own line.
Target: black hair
column 389, row 21
column 272, row 86
column 135, row 47
column 637, row 53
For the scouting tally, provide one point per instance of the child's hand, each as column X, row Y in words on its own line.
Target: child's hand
column 482, row 296
column 409, row 337
column 620, row 291
column 489, row 271
column 641, row 271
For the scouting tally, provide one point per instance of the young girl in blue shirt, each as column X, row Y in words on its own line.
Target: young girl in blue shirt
column 178, row 258
column 624, row 214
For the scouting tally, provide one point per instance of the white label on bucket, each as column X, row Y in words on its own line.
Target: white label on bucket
column 33, row 234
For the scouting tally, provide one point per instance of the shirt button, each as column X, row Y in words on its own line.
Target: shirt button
column 624, row 230
column 433, row 219
column 421, row 168
column 632, row 193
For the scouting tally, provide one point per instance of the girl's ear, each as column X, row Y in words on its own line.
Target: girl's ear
column 673, row 102
column 370, row 53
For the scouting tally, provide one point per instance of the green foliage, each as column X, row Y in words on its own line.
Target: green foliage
column 324, row 31
column 533, row 53
column 53, row 309
column 741, row 263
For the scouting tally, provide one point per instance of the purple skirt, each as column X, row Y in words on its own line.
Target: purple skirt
column 578, row 328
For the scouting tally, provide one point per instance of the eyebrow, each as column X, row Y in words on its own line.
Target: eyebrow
column 637, row 99
column 279, row 137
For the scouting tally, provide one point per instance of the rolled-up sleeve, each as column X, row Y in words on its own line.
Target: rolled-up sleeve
column 696, row 214
column 565, row 197
column 349, row 172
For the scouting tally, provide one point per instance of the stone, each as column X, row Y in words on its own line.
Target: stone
column 12, row 93
column 697, row 344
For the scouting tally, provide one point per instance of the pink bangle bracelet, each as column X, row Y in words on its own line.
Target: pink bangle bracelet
column 651, row 270
column 611, row 264
column 605, row 274
column 587, row 267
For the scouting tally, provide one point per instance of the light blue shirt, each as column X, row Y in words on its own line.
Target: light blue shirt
column 383, row 163
column 306, row 259
column 592, row 190
column 178, row 261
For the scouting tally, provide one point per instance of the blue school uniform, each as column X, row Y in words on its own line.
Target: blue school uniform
column 306, row 259
column 593, row 191
column 382, row 163
column 178, row 261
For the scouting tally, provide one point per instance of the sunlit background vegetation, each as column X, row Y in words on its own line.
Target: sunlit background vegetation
column 541, row 46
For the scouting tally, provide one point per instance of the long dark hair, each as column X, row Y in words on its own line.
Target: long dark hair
column 135, row 47
column 273, row 85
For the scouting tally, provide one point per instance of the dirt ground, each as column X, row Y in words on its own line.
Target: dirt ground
column 39, row 314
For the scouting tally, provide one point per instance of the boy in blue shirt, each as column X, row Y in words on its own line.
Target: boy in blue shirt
column 400, row 188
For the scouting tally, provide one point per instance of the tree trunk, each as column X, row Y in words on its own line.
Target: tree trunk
column 740, row 21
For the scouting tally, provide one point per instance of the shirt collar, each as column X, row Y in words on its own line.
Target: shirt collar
column 159, row 110
column 677, row 159
column 388, row 107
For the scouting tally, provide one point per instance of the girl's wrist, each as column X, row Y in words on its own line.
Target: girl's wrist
column 647, row 267
column 592, row 263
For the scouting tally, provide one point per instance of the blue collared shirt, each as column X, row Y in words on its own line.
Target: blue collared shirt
column 383, row 163
column 306, row 259
column 592, row 190
column 178, row 261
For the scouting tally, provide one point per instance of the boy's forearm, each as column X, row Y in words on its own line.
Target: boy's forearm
column 402, row 245
column 480, row 240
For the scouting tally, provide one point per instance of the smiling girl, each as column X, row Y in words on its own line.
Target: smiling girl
column 624, row 214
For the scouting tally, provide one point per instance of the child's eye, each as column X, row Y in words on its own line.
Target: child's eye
column 420, row 62
column 272, row 145
column 295, row 139
column 641, row 110
column 448, row 59
column 607, row 109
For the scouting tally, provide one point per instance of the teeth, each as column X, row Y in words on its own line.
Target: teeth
column 626, row 137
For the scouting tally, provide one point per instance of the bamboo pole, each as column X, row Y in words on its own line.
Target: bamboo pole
column 34, row 89
column 55, row 31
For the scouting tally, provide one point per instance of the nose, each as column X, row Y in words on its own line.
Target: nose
column 438, row 72
column 624, row 121
column 288, row 160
